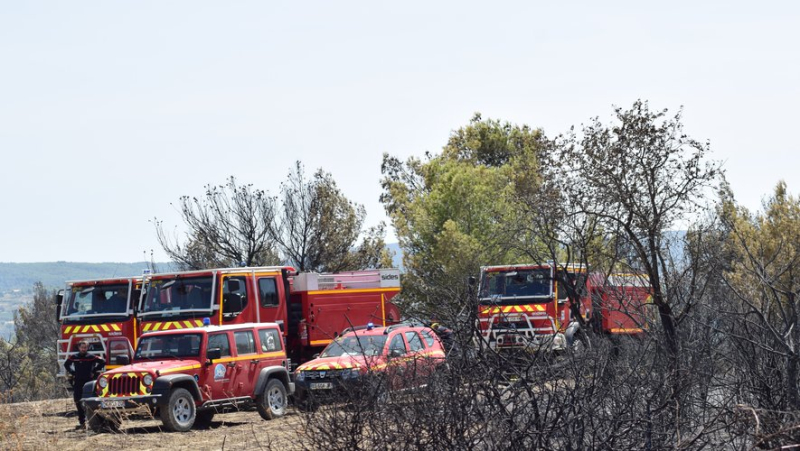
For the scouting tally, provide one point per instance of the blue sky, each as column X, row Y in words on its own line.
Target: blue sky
column 110, row 111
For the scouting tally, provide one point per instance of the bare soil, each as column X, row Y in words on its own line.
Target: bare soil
column 50, row 425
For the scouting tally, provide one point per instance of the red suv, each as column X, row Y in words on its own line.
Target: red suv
column 402, row 356
column 185, row 376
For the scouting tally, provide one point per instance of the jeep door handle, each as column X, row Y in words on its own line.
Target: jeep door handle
column 231, row 364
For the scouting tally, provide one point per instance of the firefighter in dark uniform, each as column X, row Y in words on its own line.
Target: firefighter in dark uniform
column 82, row 367
column 445, row 335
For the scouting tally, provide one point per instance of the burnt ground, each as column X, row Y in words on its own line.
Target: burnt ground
column 50, row 425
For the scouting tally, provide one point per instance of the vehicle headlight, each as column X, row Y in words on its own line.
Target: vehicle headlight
column 147, row 379
column 102, row 382
column 300, row 376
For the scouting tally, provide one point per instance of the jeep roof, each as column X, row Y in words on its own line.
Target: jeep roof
column 209, row 329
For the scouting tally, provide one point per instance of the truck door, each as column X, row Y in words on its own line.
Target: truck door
column 246, row 368
column 272, row 309
column 219, row 380
column 419, row 366
column 397, row 362
column 235, row 300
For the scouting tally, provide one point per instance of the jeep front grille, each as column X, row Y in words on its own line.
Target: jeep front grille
column 125, row 385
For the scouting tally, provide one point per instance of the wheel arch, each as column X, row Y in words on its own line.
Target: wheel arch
column 271, row 372
column 163, row 385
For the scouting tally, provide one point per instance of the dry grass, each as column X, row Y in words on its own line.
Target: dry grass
column 50, row 425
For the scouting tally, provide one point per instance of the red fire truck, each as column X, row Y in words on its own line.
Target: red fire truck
column 310, row 308
column 529, row 306
column 101, row 312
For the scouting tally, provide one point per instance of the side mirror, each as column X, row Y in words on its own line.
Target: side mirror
column 59, row 300
column 315, row 356
column 122, row 360
column 214, row 354
column 396, row 353
column 472, row 281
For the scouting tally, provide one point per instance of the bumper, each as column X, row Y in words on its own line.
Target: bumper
column 324, row 389
column 319, row 388
column 126, row 403
column 518, row 340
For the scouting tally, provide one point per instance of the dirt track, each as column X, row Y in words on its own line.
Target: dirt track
column 50, row 425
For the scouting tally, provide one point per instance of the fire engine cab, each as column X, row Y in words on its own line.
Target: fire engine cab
column 310, row 308
column 536, row 307
column 101, row 312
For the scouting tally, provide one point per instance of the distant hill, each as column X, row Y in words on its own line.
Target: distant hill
column 22, row 276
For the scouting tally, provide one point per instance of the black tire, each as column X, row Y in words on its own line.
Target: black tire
column 305, row 404
column 179, row 414
column 98, row 423
column 271, row 404
column 203, row 419
column 95, row 422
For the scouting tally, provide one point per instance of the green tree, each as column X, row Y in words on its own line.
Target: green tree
column 28, row 362
column 451, row 211
column 764, row 278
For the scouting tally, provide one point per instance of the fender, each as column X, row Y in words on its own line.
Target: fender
column 163, row 386
column 88, row 390
column 279, row 373
column 571, row 332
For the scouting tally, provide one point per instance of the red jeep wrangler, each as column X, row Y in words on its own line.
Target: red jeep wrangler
column 400, row 357
column 187, row 375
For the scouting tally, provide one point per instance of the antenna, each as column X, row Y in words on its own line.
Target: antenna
column 153, row 268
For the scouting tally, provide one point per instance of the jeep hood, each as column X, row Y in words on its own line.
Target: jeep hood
column 342, row 362
column 162, row 366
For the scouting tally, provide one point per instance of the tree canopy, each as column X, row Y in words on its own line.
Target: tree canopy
column 451, row 211
column 314, row 227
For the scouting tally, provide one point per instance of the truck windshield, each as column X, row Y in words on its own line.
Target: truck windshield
column 169, row 297
column 354, row 345
column 168, row 345
column 509, row 285
column 94, row 301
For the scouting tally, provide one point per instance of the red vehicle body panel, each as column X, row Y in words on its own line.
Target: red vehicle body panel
column 619, row 303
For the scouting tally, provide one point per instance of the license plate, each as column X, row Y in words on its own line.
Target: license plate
column 321, row 385
column 112, row 404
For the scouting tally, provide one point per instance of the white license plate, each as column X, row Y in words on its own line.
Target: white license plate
column 112, row 404
column 321, row 385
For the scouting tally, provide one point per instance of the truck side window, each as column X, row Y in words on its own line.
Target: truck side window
column 268, row 292
column 245, row 343
column 220, row 341
column 270, row 340
column 234, row 296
